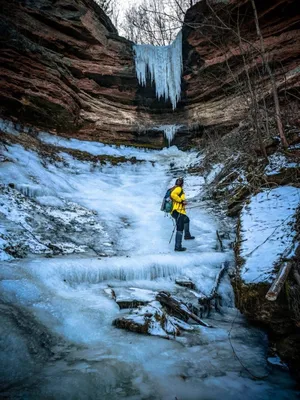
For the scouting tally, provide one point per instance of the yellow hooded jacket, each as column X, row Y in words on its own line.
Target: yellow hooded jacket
column 178, row 199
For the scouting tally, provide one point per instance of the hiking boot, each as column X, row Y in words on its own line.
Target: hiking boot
column 187, row 235
column 180, row 249
column 178, row 241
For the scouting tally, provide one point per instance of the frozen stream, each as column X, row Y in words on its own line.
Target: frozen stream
column 57, row 337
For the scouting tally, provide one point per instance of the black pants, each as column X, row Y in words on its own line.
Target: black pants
column 180, row 219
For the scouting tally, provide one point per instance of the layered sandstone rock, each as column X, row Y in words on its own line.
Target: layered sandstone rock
column 217, row 40
column 64, row 68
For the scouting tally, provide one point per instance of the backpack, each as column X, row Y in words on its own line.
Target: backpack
column 167, row 203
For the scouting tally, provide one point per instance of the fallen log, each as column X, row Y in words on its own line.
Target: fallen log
column 220, row 240
column 278, row 282
column 179, row 308
column 220, row 275
column 205, row 301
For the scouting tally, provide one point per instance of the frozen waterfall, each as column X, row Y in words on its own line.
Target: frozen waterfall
column 164, row 66
column 169, row 131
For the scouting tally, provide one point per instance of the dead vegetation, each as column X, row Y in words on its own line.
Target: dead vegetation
column 242, row 167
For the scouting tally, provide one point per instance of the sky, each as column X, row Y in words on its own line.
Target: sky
column 125, row 4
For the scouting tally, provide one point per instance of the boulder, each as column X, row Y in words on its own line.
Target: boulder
column 185, row 282
column 130, row 297
column 152, row 320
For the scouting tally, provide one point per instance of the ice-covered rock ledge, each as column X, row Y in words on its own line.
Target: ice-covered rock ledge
column 268, row 234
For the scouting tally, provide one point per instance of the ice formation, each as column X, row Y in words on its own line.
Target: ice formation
column 53, row 304
column 164, row 66
column 169, row 131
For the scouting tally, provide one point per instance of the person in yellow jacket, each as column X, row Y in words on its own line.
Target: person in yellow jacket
column 179, row 214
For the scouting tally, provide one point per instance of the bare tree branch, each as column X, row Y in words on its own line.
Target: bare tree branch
column 155, row 22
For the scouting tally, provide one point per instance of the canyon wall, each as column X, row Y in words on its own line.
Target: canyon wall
column 65, row 69
column 221, row 44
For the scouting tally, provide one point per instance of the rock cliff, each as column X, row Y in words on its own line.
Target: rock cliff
column 221, row 43
column 64, row 68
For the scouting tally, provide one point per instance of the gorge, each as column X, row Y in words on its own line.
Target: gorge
column 94, row 129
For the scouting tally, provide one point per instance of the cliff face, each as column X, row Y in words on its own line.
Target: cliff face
column 222, row 42
column 64, row 68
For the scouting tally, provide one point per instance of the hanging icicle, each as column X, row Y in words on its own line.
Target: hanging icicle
column 169, row 131
column 163, row 64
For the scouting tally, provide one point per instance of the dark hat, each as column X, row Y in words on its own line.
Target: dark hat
column 179, row 181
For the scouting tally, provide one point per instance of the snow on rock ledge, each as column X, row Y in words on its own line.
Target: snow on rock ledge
column 152, row 320
column 267, row 232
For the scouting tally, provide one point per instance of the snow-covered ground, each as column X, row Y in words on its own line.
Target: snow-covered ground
column 277, row 162
column 267, row 232
column 57, row 337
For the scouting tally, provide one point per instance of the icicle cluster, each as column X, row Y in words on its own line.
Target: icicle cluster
column 169, row 131
column 164, row 66
column 101, row 273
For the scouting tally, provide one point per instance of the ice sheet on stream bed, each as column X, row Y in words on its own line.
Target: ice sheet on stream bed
column 57, row 339
column 69, row 299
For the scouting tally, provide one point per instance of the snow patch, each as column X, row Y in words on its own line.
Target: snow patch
column 277, row 362
column 96, row 148
column 153, row 320
column 267, row 231
column 278, row 161
column 10, row 127
column 215, row 170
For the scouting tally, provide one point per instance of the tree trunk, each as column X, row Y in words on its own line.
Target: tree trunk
column 272, row 79
column 179, row 308
column 278, row 283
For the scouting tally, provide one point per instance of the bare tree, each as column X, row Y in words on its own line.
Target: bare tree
column 106, row 5
column 111, row 8
column 248, row 78
column 272, row 79
column 155, row 22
